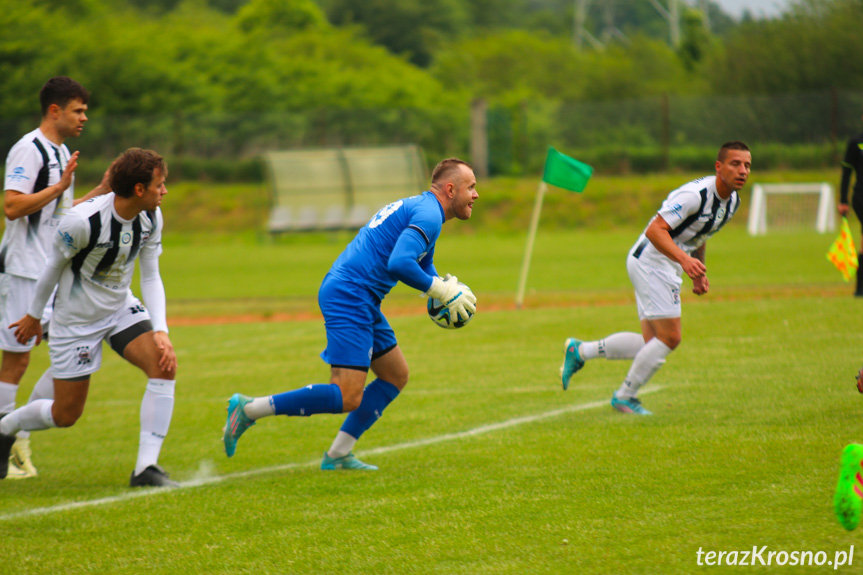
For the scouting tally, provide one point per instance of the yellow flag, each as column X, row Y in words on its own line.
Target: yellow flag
column 843, row 254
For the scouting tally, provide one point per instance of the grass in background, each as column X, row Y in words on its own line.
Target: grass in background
column 568, row 267
column 751, row 414
column 750, row 418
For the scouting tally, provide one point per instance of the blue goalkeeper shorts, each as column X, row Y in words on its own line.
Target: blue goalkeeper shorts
column 357, row 331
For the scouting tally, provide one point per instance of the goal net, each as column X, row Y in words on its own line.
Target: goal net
column 792, row 207
column 338, row 188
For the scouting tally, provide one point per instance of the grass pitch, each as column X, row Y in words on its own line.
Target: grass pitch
column 486, row 465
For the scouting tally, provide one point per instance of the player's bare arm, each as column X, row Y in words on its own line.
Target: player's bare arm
column 167, row 356
column 18, row 205
column 659, row 234
column 26, row 328
column 700, row 285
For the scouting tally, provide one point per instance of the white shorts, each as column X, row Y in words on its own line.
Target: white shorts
column 76, row 350
column 16, row 294
column 657, row 291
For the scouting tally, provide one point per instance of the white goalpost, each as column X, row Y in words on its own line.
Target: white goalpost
column 792, row 206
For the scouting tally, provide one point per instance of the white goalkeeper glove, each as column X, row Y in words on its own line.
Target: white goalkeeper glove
column 457, row 297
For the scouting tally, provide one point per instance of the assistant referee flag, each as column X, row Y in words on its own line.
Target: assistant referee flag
column 565, row 172
column 842, row 253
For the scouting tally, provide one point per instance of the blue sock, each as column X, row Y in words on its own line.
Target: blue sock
column 309, row 400
column 376, row 397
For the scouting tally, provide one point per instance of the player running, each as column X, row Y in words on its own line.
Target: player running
column 92, row 263
column 396, row 245
column 673, row 243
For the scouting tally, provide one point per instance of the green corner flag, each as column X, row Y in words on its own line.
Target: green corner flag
column 565, row 172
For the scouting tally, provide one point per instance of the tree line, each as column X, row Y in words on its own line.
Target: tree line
column 173, row 58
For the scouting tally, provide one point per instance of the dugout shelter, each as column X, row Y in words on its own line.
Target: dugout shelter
column 339, row 188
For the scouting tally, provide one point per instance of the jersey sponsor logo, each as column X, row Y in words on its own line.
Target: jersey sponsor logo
column 126, row 238
column 17, row 175
column 107, row 245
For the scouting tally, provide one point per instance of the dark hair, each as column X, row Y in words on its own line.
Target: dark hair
column 733, row 145
column 61, row 90
column 135, row 166
column 447, row 167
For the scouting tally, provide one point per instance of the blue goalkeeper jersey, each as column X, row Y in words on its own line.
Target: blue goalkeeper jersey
column 396, row 245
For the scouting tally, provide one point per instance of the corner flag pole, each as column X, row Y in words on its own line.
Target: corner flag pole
column 563, row 172
column 531, row 236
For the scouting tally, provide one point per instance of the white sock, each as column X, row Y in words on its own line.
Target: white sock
column 623, row 345
column 7, row 397
column 646, row 363
column 44, row 388
column 588, row 350
column 156, row 409
column 342, row 445
column 32, row 417
column 259, row 407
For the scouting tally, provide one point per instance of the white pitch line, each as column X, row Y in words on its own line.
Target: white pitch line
column 483, row 429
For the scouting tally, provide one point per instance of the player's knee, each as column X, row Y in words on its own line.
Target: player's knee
column 671, row 339
column 351, row 399
column 400, row 378
column 65, row 417
column 153, row 371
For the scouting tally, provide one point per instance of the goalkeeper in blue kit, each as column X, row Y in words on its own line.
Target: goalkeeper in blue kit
column 397, row 244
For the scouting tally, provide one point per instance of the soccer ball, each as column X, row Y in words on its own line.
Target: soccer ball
column 439, row 313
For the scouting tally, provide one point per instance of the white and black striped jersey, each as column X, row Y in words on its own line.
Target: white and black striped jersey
column 694, row 211
column 33, row 164
column 101, row 248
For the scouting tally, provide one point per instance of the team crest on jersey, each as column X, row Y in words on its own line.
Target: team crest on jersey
column 126, row 238
column 84, row 357
column 720, row 213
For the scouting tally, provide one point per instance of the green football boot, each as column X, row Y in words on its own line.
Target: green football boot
column 848, row 500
